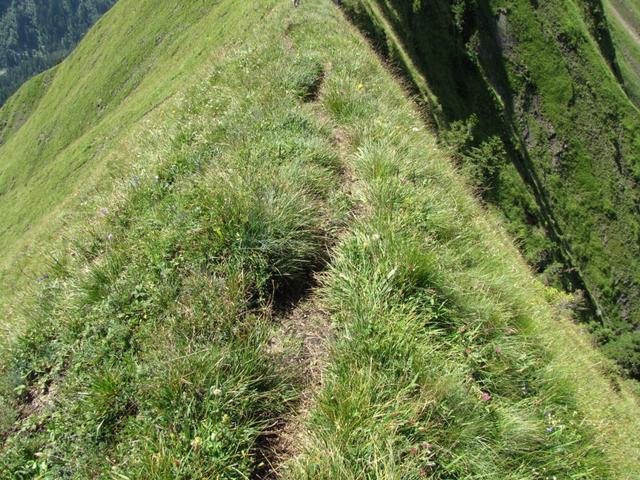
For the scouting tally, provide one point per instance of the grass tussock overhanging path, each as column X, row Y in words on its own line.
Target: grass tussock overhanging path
column 451, row 360
column 152, row 350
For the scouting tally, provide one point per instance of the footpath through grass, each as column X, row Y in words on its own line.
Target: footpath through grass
column 149, row 348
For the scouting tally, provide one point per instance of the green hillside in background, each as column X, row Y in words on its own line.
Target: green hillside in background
column 236, row 247
column 529, row 95
column 67, row 133
column 37, row 34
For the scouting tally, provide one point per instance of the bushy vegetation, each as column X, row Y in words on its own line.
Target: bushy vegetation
column 528, row 94
column 37, row 34
column 294, row 165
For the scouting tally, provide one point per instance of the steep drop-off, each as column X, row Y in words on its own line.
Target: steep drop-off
column 529, row 94
column 624, row 19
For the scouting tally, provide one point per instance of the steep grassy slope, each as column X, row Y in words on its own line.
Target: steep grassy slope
column 529, row 94
column 293, row 168
column 36, row 34
column 624, row 18
column 66, row 132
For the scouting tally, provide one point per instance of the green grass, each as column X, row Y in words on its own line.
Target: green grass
column 148, row 350
column 434, row 311
column 38, row 35
column 627, row 44
column 527, row 94
column 167, row 343
column 79, row 137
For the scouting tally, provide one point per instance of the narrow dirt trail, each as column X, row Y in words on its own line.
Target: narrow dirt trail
column 304, row 331
column 304, row 336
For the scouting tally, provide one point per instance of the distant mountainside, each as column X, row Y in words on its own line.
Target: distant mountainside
column 36, row 34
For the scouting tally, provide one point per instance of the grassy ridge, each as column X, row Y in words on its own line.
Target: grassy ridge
column 147, row 355
column 149, row 348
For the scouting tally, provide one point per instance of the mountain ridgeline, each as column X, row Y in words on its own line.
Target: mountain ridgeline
column 530, row 96
column 37, row 34
column 235, row 246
